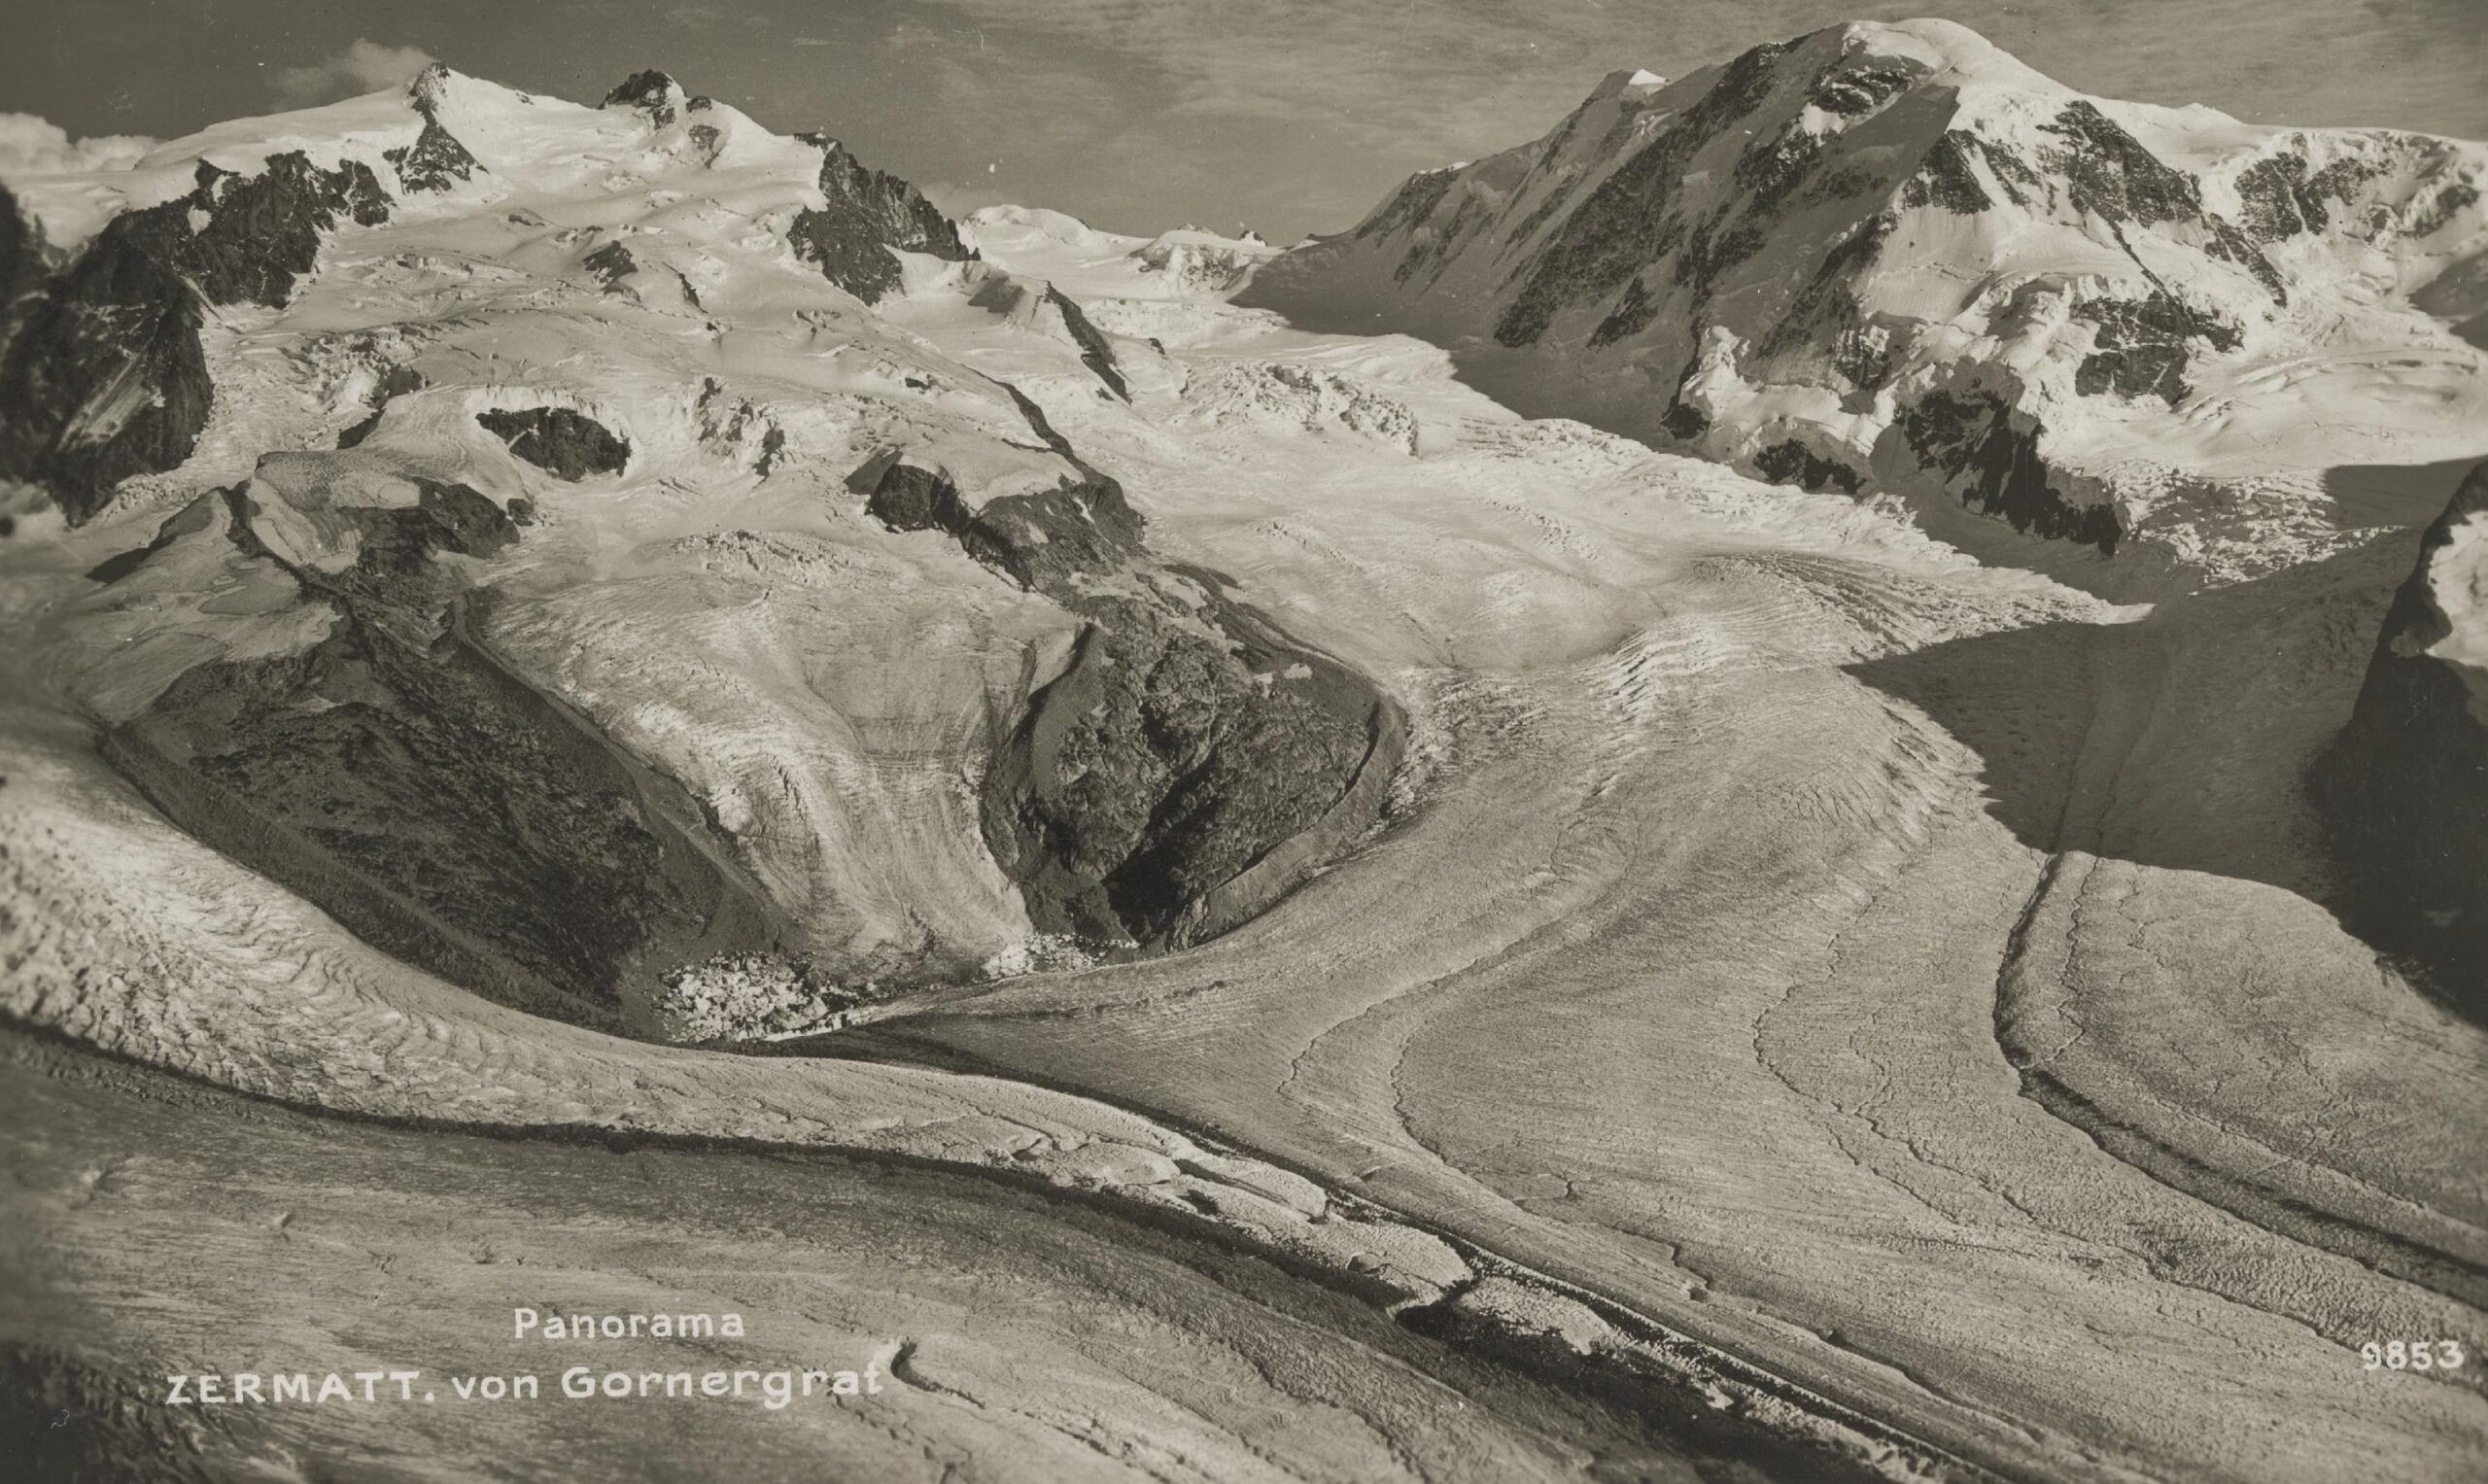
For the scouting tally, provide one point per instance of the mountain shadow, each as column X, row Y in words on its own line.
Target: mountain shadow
column 2370, row 494
column 2182, row 739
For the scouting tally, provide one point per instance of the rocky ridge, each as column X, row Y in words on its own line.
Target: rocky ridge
column 870, row 216
column 103, row 371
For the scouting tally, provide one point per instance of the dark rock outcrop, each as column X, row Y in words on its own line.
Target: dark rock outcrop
column 651, row 93
column 445, row 517
column 1164, row 765
column 2111, row 174
column 395, row 382
column 2280, row 199
column 2143, row 346
column 1988, row 455
column 2403, row 790
column 435, row 161
column 610, row 263
column 1096, row 353
column 1631, row 220
column 262, row 233
column 1633, row 313
column 569, row 444
column 870, row 215
column 1411, row 204
column 1194, row 763
column 1854, row 92
column 1789, row 462
column 1825, row 313
column 21, row 266
column 1043, row 539
column 1945, row 180
column 104, row 375
column 432, row 802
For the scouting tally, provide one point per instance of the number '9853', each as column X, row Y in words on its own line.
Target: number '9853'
column 2412, row 1355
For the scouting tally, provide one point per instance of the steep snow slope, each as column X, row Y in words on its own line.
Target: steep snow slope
column 1891, row 257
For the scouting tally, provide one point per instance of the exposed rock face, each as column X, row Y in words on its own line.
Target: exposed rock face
column 21, row 265
column 868, row 215
column 1831, row 237
column 1974, row 440
column 651, row 93
column 559, row 441
column 2144, row 345
column 435, row 162
column 611, row 263
column 398, row 776
column 2405, row 787
column 1794, row 462
column 395, row 382
column 1203, row 263
column 1192, row 762
column 254, row 237
column 1083, row 525
column 1095, row 353
column 1164, row 764
column 104, row 375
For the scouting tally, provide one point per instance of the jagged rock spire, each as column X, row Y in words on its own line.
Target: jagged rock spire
column 651, row 93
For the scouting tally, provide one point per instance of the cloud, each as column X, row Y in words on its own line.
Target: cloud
column 33, row 145
column 1460, row 75
column 1464, row 76
column 367, row 66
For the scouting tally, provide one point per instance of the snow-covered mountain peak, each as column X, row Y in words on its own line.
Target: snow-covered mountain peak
column 451, row 231
column 1886, row 257
column 652, row 93
column 1059, row 225
column 1627, row 80
column 1184, row 262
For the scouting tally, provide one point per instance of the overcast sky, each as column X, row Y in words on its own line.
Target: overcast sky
column 1288, row 116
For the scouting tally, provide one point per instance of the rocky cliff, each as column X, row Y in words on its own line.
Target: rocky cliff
column 1192, row 761
column 869, row 215
column 2405, row 787
column 104, row 375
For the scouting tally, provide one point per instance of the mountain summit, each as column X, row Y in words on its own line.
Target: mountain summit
column 363, row 374
column 1891, row 257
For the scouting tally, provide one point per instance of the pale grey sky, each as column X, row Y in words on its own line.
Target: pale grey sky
column 1287, row 115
